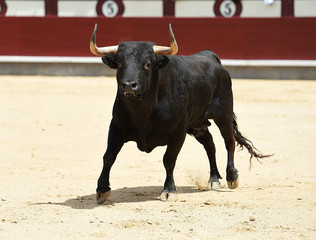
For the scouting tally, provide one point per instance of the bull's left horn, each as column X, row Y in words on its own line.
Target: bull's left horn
column 100, row 51
column 172, row 50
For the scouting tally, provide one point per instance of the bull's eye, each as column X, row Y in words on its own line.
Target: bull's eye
column 119, row 65
column 147, row 66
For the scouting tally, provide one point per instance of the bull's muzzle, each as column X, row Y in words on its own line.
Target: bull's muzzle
column 130, row 89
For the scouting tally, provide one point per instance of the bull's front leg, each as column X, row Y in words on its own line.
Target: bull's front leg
column 169, row 161
column 115, row 143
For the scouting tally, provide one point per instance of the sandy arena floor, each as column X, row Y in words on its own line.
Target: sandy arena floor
column 53, row 133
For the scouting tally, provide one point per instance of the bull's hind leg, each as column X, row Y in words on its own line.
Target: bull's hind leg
column 225, row 126
column 205, row 138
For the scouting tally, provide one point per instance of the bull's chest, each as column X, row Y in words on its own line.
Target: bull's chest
column 148, row 137
column 149, row 127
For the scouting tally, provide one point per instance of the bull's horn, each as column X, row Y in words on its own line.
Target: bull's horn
column 172, row 50
column 100, row 51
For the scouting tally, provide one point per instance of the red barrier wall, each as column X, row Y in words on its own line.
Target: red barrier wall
column 235, row 38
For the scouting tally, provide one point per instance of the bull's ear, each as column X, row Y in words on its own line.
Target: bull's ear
column 109, row 60
column 162, row 61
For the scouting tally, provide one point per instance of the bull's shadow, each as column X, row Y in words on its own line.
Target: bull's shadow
column 124, row 195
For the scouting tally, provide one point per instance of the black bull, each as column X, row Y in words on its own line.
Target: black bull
column 162, row 98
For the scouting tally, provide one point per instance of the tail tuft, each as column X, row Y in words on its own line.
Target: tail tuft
column 244, row 142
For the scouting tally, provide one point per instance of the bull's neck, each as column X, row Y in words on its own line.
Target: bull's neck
column 140, row 111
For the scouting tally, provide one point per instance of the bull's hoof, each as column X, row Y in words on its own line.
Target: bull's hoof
column 233, row 184
column 214, row 185
column 102, row 197
column 168, row 196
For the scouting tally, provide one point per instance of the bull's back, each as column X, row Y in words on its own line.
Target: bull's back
column 202, row 77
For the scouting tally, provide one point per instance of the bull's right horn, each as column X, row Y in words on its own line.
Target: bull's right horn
column 172, row 50
column 100, row 51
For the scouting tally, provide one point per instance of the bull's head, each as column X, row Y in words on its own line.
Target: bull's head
column 136, row 63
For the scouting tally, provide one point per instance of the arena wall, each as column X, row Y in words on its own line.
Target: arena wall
column 62, row 29
column 233, row 38
column 155, row 8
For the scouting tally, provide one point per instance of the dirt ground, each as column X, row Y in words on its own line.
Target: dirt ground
column 53, row 133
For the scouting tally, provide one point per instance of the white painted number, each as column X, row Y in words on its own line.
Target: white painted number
column 228, row 8
column 110, row 8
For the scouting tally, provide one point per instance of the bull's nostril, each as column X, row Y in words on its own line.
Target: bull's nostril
column 129, row 86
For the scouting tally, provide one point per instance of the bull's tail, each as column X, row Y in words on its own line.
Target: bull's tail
column 244, row 142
